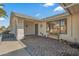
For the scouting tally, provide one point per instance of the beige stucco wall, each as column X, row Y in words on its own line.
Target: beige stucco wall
column 75, row 27
column 42, row 29
column 20, row 29
column 17, row 27
column 72, row 29
column 13, row 25
column 68, row 36
column 29, row 28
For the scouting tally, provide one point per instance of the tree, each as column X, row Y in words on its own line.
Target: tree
column 2, row 11
column 3, row 27
column 1, row 5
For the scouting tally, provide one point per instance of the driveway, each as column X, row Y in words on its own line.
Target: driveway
column 40, row 46
column 12, row 48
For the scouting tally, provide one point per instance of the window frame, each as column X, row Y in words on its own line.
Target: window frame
column 60, row 21
column 65, row 19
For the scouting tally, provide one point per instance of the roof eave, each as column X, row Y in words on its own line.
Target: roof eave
column 58, row 16
column 24, row 16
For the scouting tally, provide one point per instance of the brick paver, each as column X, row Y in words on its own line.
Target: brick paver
column 40, row 46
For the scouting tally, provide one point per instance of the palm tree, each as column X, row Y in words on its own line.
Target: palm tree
column 2, row 11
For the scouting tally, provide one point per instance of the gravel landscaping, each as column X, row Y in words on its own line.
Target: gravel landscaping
column 41, row 46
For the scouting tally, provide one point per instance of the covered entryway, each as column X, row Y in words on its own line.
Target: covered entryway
column 30, row 27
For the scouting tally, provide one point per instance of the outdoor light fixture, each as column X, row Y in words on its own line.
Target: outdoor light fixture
column 26, row 25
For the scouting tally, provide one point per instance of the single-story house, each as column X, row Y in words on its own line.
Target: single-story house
column 66, row 24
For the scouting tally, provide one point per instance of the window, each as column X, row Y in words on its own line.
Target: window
column 63, row 26
column 58, row 26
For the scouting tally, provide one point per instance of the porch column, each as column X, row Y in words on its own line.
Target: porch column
column 20, row 29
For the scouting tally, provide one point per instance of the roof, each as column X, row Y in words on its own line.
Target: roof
column 32, row 18
column 57, row 16
column 25, row 16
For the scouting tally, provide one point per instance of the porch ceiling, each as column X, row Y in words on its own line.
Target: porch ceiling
column 72, row 9
column 30, row 21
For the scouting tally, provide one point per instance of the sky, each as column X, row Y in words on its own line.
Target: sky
column 37, row 10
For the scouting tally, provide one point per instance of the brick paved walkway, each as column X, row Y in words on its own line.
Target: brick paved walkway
column 39, row 46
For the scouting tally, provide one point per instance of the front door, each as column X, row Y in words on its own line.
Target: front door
column 36, row 29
